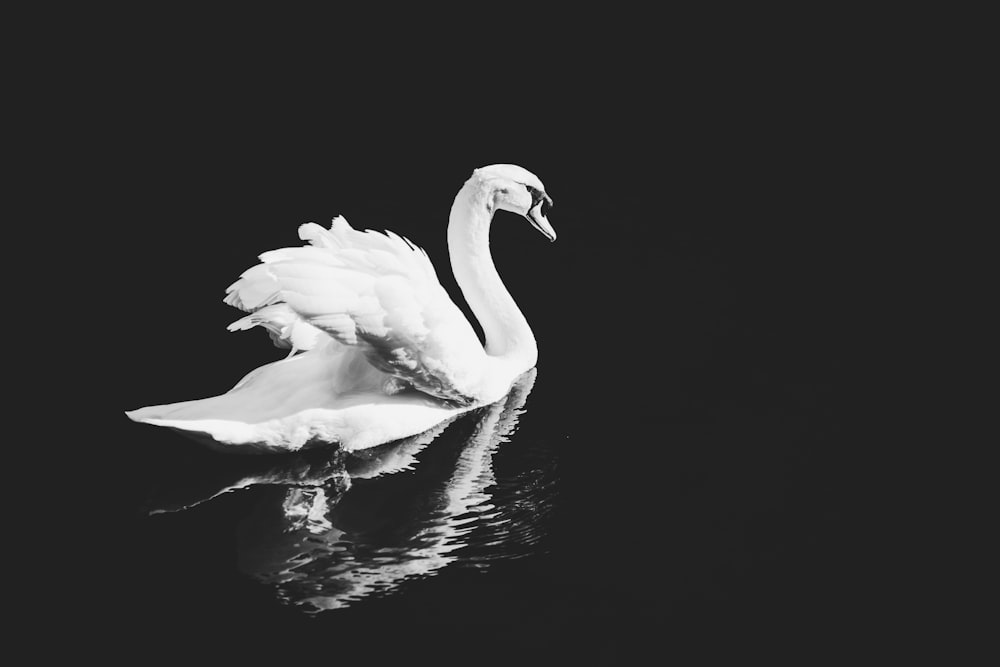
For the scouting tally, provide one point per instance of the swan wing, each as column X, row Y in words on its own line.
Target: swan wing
column 286, row 328
column 372, row 290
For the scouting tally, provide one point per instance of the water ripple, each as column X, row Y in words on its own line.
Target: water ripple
column 332, row 531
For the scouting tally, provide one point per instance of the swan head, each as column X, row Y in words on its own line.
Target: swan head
column 515, row 189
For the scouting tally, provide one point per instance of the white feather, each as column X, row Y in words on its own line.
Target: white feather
column 373, row 324
column 377, row 290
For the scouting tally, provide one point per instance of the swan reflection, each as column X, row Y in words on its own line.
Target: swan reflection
column 334, row 529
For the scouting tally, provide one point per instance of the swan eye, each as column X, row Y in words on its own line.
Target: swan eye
column 539, row 196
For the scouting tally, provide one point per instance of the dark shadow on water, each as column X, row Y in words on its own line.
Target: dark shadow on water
column 331, row 528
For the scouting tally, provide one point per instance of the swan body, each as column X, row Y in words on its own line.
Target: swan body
column 379, row 351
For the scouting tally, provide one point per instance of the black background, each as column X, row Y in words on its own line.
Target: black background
column 696, row 322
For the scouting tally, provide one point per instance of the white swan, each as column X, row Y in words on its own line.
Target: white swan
column 383, row 352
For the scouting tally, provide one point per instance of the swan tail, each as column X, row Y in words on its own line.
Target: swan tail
column 327, row 395
column 254, row 410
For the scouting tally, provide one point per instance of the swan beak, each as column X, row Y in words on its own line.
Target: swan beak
column 539, row 221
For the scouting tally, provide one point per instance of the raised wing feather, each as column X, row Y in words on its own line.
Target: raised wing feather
column 376, row 291
column 286, row 328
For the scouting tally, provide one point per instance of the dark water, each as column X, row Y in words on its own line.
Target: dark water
column 679, row 471
column 605, row 503
column 331, row 529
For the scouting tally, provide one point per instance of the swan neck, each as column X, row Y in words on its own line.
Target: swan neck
column 505, row 327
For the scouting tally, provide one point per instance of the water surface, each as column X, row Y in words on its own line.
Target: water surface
column 330, row 528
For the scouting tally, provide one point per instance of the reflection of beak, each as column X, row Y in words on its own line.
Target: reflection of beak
column 539, row 221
